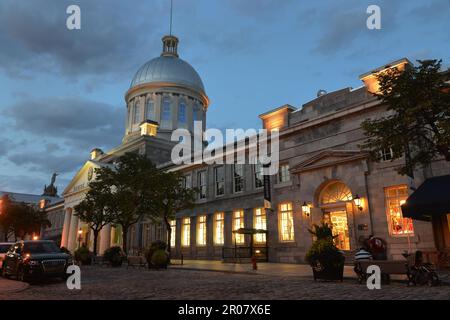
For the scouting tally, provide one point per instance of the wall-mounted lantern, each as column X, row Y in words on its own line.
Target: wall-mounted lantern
column 306, row 209
column 358, row 202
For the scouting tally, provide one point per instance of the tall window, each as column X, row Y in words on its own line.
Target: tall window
column 238, row 222
column 150, row 110
column 286, row 222
column 258, row 171
column 386, row 154
column 182, row 114
column 219, row 178
column 201, row 231
column 283, row 174
column 166, row 114
column 187, row 181
column 186, row 232
column 395, row 197
column 201, row 183
column 136, row 113
column 173, row 227
column 260, row 222
column 218, row 228
column 238, row 177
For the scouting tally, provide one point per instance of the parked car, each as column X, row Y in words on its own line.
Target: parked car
column 33, row 259
column 4, row 247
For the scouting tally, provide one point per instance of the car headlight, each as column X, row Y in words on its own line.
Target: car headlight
column 33, row 262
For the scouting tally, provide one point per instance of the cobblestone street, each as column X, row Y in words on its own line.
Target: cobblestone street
column 123, row 283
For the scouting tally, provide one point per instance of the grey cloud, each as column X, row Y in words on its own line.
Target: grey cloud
column 81, row 124
column 48, row 163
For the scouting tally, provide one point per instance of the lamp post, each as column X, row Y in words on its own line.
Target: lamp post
column 80, row 237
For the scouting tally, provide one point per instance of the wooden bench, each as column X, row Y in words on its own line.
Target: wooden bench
column 387, row 267
column 136, row 261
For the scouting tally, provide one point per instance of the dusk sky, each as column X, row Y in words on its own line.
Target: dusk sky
column 62, row 92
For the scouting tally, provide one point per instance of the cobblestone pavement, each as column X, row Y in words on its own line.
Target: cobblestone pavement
column 108, row 283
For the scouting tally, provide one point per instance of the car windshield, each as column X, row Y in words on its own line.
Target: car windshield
column 41, row 247
column 4, row 248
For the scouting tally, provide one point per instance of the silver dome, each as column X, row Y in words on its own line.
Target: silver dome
column 168, row 69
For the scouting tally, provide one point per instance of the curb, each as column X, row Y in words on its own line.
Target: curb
column 10, row 286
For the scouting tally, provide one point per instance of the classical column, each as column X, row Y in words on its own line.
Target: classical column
column 105, row 239
column 73, row 233
column 66, row 228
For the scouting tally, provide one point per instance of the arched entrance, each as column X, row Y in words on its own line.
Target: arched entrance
column 335, row 201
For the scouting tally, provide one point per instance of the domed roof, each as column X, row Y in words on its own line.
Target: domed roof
column 168, row 68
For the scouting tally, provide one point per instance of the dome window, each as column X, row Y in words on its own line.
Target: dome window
column 166, row 114
column 136, row 113
column 150, row 110
column 182, row 114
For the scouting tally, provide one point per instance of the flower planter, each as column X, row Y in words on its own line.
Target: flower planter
column 328, row 273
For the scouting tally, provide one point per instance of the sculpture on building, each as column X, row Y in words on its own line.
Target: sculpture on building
column 51, row 190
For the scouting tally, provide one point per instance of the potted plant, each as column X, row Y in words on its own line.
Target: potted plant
column 114, row 256
column 83, row 255
column 326, row 260
column 156, row 255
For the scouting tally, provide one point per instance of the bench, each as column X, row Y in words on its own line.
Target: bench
column 136, row 261
column 387, row 267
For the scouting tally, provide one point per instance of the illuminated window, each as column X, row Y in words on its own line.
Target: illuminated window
column 150, row 110
column 395, row 197
column 286, row 222
column 173, row 227
column 238, row 223
column 219, row 178
column 182, row 114
column 166, row 114
column 201, row 231
column 186, row 232
column 218, row 228
column 260, row 222
column 336, row 192
column 136, row 113
column 283, row 174
column 201, row 183
column 258, row 169
column 238, row 178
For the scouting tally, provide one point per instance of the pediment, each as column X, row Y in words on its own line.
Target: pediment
column 82, row 178
column 327, row 159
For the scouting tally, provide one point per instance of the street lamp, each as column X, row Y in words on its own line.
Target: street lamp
column 306, row 209
column 80, row 237
column 358, row 202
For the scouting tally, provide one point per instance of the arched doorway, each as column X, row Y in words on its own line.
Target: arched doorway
column 334, row 201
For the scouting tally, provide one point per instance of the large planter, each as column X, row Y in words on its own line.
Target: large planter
column 328, row 273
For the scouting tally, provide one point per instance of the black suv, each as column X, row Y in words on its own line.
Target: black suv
column 37, row 258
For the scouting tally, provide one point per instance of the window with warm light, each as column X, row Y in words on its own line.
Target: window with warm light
column 201, row 231
column 173, row 234
column 260, row 222
column 395, row 197
column 219, row 179
column 201, row 184
column 286, row 222
column 238, row 223
column 238, row 178
column 219, row 224
column 283, row 174
column 186, row 232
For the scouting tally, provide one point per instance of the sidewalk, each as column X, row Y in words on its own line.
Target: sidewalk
column 264, row 268
column 10, row 286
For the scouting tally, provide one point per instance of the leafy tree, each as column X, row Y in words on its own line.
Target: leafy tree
column 92, row 210
column 6, row 222
column 417, row 124
column 127, row 190
column 171, row 196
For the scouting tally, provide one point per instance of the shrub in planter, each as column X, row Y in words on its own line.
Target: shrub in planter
column 159, row 259
column 83, row 255
column 326, row 260
column 154, row 247
column 65, row 250
column 114, row 256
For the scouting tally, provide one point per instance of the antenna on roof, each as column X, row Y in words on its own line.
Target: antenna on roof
column 171, row 14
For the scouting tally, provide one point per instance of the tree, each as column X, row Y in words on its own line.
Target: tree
column 171, row 196
column 127, row 190
column 5, row 216
column 417, row 124
column 92, row 210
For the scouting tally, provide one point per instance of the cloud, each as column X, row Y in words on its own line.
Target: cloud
column 108, row 42
column 79, row 123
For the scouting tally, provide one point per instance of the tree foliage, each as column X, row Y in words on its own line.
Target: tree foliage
column 417, row 124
